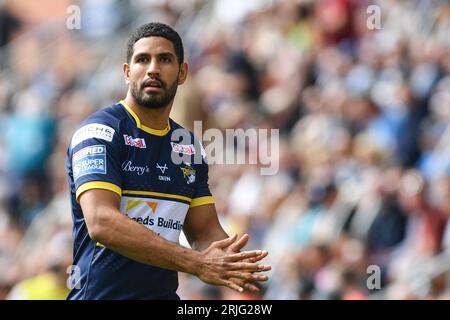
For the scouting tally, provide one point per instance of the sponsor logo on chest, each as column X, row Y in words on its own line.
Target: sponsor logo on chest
column 134, row 142
column 163, row 170
column 183, row 148
column 128, row 166
column 145, row 213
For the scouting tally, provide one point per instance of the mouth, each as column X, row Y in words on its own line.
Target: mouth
column 152, row 89
column 152, row 85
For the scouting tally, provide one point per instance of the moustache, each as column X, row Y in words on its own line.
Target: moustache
column 153, row 82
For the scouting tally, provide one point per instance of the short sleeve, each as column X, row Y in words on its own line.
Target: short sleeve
column 202, row 193
column 95, row 159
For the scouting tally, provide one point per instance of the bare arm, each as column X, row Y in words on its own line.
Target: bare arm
column 108, row 226
column 202, row 227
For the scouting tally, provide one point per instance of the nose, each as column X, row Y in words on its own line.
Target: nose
column 153, row 68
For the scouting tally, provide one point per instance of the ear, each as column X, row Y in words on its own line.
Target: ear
column 126, row 72
column 184, row 68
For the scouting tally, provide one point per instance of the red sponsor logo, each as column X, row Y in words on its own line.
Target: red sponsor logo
column 183, row 148
column 134, row 142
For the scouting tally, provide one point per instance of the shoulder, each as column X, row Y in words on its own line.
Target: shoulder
column 186, row 133
column 103, row 124
column 110, row 116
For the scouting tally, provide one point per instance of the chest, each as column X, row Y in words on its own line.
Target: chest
column 151, row 164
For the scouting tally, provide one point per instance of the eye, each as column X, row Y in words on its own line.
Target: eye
column 141, row 59
column 164, row 59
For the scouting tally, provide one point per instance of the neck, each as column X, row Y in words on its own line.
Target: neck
column 152, row 118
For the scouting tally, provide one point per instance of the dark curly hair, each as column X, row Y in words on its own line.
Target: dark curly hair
column 156, row 29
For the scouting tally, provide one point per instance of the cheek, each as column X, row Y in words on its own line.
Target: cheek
column 136, row 72
column 171, row 75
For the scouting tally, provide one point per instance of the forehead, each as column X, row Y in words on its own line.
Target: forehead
column 153, row 45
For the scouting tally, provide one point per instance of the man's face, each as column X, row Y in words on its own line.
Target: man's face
column 154, row 72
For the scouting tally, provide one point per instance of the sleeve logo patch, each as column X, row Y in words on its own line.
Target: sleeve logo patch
column 93, row 130
column 183, row 148
column 89, row 160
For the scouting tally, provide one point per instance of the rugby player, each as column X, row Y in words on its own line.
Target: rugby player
column 130, row 201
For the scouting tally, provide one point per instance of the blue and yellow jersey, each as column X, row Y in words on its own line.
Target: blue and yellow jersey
column 112, row 150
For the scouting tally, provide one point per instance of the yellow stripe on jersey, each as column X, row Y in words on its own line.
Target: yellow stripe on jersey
column 202, row 201
column 156, row 194
column 155, row 132
column 97, row 185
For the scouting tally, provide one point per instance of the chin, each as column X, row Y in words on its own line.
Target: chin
column 154, row 106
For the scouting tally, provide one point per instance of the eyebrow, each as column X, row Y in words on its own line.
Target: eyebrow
column 166, row 54
column 141, row 55
column 162, row 54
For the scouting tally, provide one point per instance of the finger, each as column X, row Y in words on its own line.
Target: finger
column 225, row 242
column 251, row 287
column 265, row 268
column 238, row 245
column 243, row 255
column 245, row 266
column 247, row 276
column 230, row 284
column 262, row 268
column 259, row 258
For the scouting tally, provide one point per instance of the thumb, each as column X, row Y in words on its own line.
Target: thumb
column 225, row 242
column 238, row 245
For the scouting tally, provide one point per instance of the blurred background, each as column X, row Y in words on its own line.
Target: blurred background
column 363, row 114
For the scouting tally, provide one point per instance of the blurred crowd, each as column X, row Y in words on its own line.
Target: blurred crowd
column 363, row 113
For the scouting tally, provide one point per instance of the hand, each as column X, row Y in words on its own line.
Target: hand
column 235, row 248
column 238, row 245
column 219, row 267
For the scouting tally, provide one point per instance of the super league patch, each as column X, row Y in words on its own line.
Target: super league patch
column 89, row 160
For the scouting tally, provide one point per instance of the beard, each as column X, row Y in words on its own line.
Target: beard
column 152, row 100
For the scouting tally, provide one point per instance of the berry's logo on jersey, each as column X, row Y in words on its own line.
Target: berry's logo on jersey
column 183, row 148
column 134, row 142
column 129, row 166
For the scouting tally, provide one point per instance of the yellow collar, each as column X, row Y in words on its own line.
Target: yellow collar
column 155, row 132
